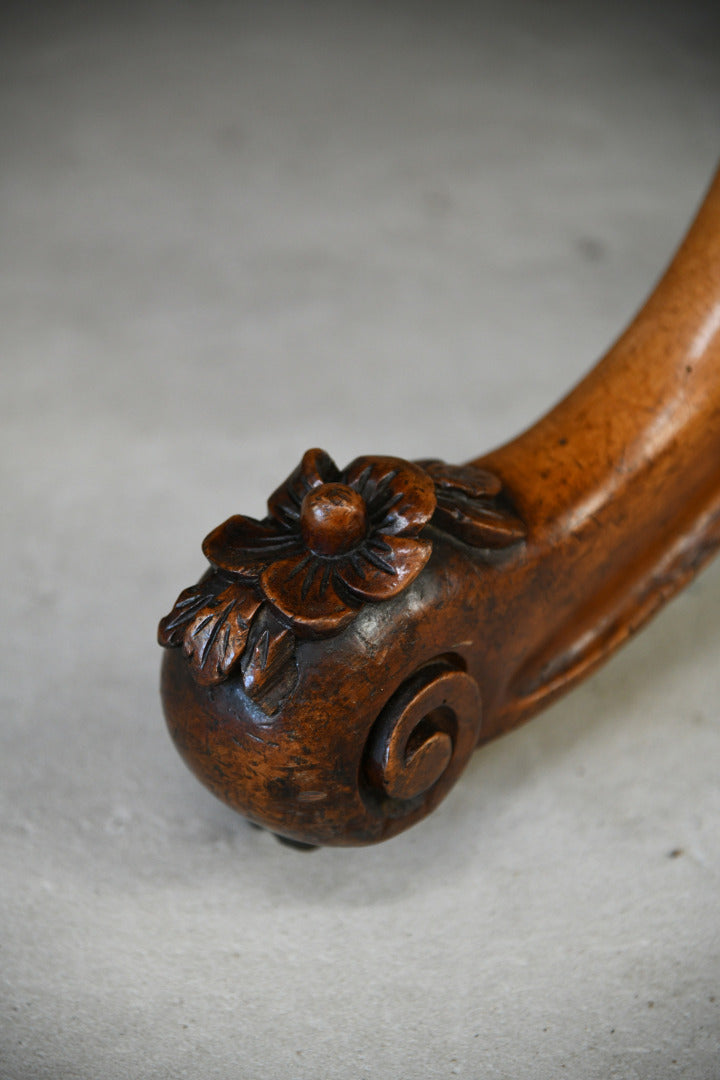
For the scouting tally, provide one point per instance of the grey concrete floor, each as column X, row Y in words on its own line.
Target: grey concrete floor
column 232, row 231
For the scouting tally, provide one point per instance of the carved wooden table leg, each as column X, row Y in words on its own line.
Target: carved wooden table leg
column 334, row 669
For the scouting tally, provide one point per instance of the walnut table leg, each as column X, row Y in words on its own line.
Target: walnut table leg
column 335, row 667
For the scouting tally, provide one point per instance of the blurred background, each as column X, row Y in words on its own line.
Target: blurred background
column 231, row 231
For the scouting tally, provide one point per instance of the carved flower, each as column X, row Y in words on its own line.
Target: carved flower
column 332, row 539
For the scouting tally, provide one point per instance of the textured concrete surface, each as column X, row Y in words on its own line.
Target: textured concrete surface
column 230, row 232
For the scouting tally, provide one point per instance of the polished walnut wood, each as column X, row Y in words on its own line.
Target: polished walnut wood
column 339, row 661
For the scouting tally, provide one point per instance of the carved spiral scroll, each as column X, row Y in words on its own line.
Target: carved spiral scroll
column 424, row 736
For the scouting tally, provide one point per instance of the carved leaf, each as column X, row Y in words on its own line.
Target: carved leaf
column 472, row 506
column 268, row 665
column 211, row 622
column 482, row 523
column 216, row 636
column 171, row 631
column 468, row 480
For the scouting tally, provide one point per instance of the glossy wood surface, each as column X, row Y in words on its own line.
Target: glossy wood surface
column 332, row 672
column 620, row 483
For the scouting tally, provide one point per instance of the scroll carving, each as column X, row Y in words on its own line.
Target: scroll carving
column 424, row 735
column 325, row 676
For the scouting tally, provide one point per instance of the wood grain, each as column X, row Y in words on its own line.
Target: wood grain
column 340, row 660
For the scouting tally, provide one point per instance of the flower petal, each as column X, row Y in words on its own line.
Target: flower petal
column 301, row 589
column 242, row 545
column 481, row 524
column 316, row 468
column 384, row 566
column 468, row 479
column 216, row 636
column 400, row 496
